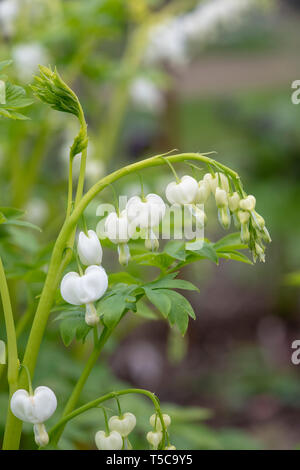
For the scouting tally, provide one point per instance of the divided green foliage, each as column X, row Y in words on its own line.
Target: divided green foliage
column 11, row 216
column 12, row 97
column 73, row 324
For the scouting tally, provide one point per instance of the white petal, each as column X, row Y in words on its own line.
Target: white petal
column 69, row 288
column 89, row 248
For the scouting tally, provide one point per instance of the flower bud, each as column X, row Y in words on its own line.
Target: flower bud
column 2, row 352
column 36, row 408
column 91, row 317
column 156, row 422
column 221, row 197
column 260, row 252
column 40, row 435
column 111, row 441
column 258, row 220
column 203, row 192
column 219, row 179
column 122, row 424
column 170, row 447
column 184, row 192
column 89, row 248
column 234, row 202
column 245, row 234
column 224, row 217
column 151, row 242
column 79, row 290
column 248, row 204
column 154, row 438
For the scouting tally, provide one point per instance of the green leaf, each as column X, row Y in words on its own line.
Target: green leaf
column 22, row 223
column 176, row 249
column 11, row 212
column 16, row 97
column 231, row 241
column 122, row 277
column 142, row 310
column 206, row 252
column 167, row 283
column 72, row 326
column 111, row 308
column 160, row 300
column 235, row 256
column 181, row 303
column 160, row 260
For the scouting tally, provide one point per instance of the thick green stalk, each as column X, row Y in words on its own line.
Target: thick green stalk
column 12, row 350
column 109, row 396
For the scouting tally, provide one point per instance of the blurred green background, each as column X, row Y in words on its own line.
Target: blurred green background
column 230, row 383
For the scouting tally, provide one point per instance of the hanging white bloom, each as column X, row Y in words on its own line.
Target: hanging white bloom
column 27, row 57
column 219, row 179
column 36, row 408
column 203, row 192
column 86, row 289
column 184, row 192
column 111, row 441
column 244, row 217
column 167, row 43
column 248, row 203
column 154, row 438
column 146, row 95
column 221, row 197
column 146, row 213
column 89, row 248
column 122, row 424
column 234, row 202
column 117, row 227
column 156, row 422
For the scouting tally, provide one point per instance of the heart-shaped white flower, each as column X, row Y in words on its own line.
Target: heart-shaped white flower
column 248, row 204
column 36, row 408
column 154, row 438
column 147, row 213
column 184, row 192
column 123, row 425
column 117, row 227
column 89, row 248
column 79, row 290
column 156, row 422
column 112, row 441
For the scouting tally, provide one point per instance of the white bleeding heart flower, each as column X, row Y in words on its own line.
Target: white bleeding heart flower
column 79, row 290
column 219, row 179
column 117, row 227
column 146, row 213
column 89, row 248
column 234, row 202
column 111, row 441
column 156, row 422
column 154, row 438
column 248, row 203
column 221, row 197
column 183, row 192
column 203, row 192
column 122, row 424
column 36, row 408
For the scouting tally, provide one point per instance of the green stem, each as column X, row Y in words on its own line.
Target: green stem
column 12, row 350
column 83, row 378
column 93, row 404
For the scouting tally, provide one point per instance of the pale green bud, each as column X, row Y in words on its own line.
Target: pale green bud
column 2, row 352
column 221, row 197
column 259, row 250
column 156, row 422
column 248, row 204
column 91, row 317
column 245, row 234
column 234, row 202
column 154, row 438
column 170, row 447
column 40, row 435
column 258, row 220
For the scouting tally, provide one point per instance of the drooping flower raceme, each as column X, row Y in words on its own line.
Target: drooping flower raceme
column 146, row 213
column 35, row 409
column 122, row 424
column 108, row 441
column 86, row 289
column 118, row 229
column 89, row 248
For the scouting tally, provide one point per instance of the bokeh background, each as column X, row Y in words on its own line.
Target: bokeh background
column 153, row 76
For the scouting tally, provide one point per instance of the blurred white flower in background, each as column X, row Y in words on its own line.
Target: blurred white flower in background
column 169, row 41
column 146, row 95
column 27, row 57
column 8, row 13
column 37, row 211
